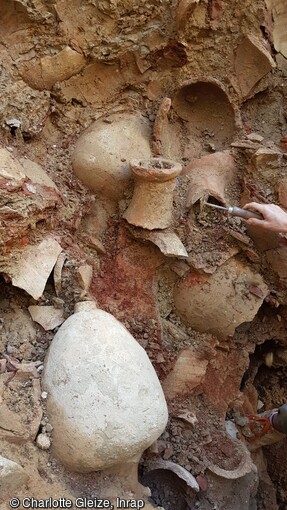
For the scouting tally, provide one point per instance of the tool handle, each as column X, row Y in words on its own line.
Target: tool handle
column 244, row 213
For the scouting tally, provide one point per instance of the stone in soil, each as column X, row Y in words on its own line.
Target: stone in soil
column 12, row 476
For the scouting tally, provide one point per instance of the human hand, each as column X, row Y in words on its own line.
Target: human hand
column 274, row 218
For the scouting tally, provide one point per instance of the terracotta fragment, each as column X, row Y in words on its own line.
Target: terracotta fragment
column 283, row 143
column 184, row 11
column 12, row 428
column 32, row 270
column 44, row 73
column 255, row 137
column 209, row 176
column 180, row 471
column 10, row 171
column 279, row 14
column 57, row 273
column 48, row 317
column 151, row 206
column 168, row 242
column 159, row 125
column 252, row 62
column 180, row 267
column 220, row 302
column 36, row 173
column 187, row 374
column 215, row 10
column 85, row 275
column 245, row 464
column 245, row 144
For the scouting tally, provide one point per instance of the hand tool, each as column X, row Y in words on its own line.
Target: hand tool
column 237, row 211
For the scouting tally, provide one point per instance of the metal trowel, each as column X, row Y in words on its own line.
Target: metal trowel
column 237, row 211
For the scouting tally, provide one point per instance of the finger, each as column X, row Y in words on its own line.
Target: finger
column 255, row 205
column 257, row 223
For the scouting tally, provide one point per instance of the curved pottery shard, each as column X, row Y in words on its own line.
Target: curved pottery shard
column 168, row 242
column 184, row 11
column 243, row 468
column 209, row 117
column 252, row 62
column 209, row 176
column 279, row 14
column 180, row 471
column 219, row 303
column 43, row 73
column 159, row 125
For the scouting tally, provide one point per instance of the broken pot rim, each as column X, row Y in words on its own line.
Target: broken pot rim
column 142, row 169
column 243, row 467
column 177, row 469
column 203, row 79
column 212, row 81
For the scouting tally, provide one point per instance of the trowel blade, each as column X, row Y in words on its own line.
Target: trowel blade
column 217, row 206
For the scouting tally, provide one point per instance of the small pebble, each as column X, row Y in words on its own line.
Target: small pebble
column 40, row 368
column 49, row 427
column 44, row 395
column 10, row 349
column 43, row 442
column 255, row 137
